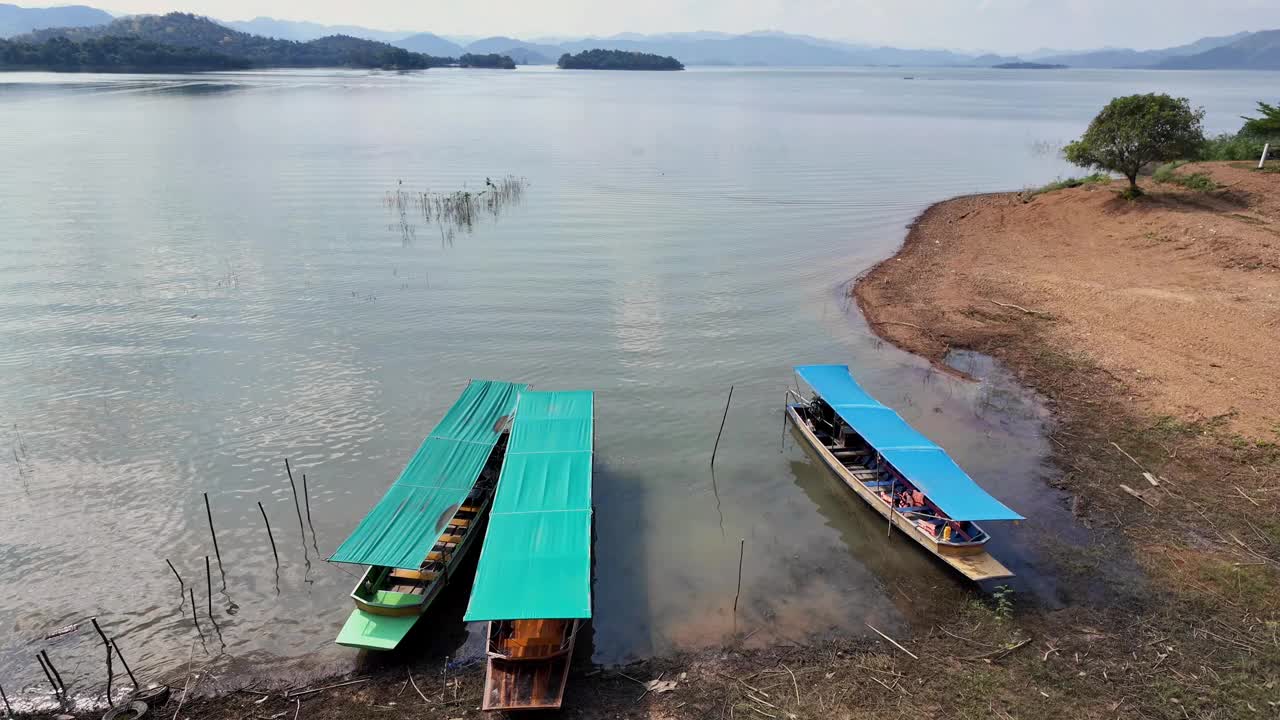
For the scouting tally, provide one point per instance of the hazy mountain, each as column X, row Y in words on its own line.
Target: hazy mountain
column 1256, row 51
column 777, row 49
column 303, row 31
column 1124, row 58
column 16, row 20
column 191, row 31
column 525, row 56
column 506, row 46
column 430, row 44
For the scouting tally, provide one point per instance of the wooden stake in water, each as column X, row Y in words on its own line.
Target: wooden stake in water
column 306, row 498
column 269, row 535
column 111, row 675
column 8, row 709
column 208, row 579
column 125, row 664
column 56, row 675
column 217, row 553
column 195, row 613
column 722, row 419
column 296, row 506
column 181, row 585
column 52, row 684
column 742, row 547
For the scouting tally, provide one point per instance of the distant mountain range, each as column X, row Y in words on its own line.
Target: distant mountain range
column 1258, row 50
column 192, row 32
column 16, row 20
column 1123, row 58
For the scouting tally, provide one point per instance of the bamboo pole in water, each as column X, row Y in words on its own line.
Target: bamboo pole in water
column 208, row 579
column 52, row 684
column 194, row 612
column 181, row 585
column 216, row 551
column 111, row 674
column 56, row 675
column 742, row 547
column 125, row 664
column 306, row 497
column 269, row 535
column 8, row 709
column 722, row 419
column 296, row 507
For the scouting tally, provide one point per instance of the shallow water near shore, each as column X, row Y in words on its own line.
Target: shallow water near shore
column 199, row 276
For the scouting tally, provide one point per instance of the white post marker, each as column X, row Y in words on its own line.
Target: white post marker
column 1265, row 148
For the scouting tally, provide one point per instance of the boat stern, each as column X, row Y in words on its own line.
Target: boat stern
column 368, row 631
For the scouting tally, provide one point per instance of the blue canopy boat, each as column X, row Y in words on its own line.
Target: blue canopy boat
column 901, row 474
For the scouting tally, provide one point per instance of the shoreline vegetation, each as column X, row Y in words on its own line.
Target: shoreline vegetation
column 181, row 42
column 617, row 60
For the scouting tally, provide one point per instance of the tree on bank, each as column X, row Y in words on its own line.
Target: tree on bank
column 1267, row 126
column 1136, row 130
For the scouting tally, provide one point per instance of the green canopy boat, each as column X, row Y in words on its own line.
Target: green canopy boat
column 533, row 583
column 421, row 529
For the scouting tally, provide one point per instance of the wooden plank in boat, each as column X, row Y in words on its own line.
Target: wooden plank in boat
column 413, row 575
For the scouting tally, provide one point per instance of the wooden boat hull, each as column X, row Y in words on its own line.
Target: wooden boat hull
column 972, row 561
column 371, row 627
column 512, row 684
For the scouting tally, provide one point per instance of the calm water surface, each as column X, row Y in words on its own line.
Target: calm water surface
column 199, row 277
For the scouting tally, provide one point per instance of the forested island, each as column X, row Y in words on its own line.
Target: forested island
column 617, row 60
column 111, row 54
column 181, row 42
column 490, row 60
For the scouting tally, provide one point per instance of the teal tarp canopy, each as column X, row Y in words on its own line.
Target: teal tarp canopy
column 407, row 521
column 918, row 458
column 536, row 559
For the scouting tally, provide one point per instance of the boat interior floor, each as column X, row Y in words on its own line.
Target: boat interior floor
column 526, row 685
column 534, row 638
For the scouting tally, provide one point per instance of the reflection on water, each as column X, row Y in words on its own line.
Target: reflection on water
column 187, row 284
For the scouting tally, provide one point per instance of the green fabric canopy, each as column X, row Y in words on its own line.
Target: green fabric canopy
column 402, row 528
column 536, row 560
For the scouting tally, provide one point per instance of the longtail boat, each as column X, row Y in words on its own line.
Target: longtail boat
column 900, row 473
column 533, row 582
column 422, row 528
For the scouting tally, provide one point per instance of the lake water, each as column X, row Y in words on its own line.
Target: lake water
column 200, row 276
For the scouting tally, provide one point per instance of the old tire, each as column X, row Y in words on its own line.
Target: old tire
column 132, row 710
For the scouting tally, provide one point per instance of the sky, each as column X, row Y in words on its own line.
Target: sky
column 1000, row 25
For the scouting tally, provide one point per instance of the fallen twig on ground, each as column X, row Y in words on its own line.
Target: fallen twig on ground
column 895, row 643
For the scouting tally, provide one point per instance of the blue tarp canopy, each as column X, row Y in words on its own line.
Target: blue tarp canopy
column 536, row 559
column 402, row 528
column 915, row 456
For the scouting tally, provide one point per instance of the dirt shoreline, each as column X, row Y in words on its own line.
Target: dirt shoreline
column 1198, row 636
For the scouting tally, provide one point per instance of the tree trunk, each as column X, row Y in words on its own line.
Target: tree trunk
column 1133, row 183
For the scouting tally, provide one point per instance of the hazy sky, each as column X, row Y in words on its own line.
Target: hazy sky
column 1005, row 25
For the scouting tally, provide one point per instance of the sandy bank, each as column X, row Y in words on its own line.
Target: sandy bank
column 1177, row 295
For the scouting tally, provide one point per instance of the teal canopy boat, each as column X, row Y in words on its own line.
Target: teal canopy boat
column 421, row 529
column 533, row 583
column 900, row 473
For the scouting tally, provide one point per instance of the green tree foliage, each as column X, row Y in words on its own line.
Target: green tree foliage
column 1266, row 126
column 617, row 60
column 201, row 33
column 111, row 54
column 1136, row 130
column 492, row 60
